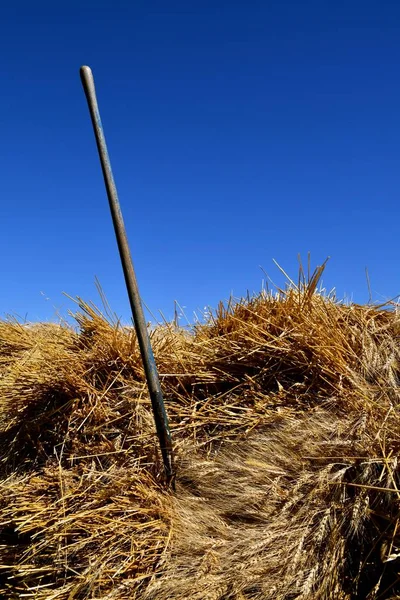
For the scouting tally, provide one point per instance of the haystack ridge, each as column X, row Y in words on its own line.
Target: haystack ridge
column 284, row 411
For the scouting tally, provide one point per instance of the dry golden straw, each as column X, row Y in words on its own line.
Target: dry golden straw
column 284, row 412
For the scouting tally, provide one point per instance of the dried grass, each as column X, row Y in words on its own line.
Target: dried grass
column 284, row 414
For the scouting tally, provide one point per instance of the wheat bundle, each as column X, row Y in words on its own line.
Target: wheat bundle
column 284, row 415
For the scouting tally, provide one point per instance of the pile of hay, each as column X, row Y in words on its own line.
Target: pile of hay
column 284, row 412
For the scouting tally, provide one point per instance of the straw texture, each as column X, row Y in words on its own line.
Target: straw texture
column 284, row 411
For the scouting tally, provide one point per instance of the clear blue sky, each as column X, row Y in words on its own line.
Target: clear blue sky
column 238, row 132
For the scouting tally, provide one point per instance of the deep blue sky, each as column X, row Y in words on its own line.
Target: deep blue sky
column 238, row 132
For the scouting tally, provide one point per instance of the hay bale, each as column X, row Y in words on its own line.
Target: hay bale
column 284, row 415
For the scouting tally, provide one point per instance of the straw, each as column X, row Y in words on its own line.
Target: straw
column 284, row 409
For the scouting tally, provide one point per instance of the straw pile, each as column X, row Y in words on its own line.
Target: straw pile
column 284, row 412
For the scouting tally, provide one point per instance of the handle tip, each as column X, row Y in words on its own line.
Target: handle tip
column 87, row 79
column 85, row 70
